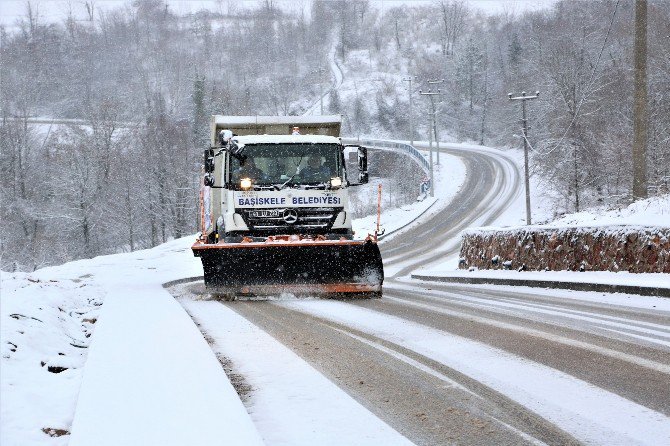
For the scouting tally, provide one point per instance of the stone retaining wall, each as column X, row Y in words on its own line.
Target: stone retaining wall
column 613, row 248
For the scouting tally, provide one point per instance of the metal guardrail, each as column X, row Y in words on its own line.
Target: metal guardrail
column 393, row 146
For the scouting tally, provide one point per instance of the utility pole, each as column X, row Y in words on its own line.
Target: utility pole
column 432, row 103
column 411, row 113
column 640, row 103
column 431, row 95
column 523, row 98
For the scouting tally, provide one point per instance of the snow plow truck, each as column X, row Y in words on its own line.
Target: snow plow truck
column 275, row 212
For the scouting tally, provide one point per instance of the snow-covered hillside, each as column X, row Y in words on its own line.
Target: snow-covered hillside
column 654, row 211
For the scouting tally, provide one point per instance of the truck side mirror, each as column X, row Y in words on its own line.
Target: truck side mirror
column 209, row 160
column 237, row 152
column 209, row 180
column 362, row 165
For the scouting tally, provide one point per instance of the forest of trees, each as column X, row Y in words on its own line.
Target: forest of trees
column 144, row 80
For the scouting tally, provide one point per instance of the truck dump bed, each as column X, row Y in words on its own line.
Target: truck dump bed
column 328, row 125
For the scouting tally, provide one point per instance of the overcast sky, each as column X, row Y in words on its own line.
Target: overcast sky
column 56, row 10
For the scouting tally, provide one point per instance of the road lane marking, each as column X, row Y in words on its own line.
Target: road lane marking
column 659, row 367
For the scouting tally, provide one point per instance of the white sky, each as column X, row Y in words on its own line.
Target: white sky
column 56, row 10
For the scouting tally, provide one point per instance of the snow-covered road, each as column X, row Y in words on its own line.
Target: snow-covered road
column 443, row 364
column 437, row 365
column 492, row 184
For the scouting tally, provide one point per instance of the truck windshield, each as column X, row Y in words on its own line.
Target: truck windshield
column 297, row 164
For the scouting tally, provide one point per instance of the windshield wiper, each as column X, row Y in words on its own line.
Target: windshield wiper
column 287, row 181
column 293, row 176
column 322, row 185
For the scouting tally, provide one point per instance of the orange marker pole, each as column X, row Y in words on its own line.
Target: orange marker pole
column 379, row 208
column 202, row 212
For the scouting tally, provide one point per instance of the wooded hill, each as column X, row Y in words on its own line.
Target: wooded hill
column 144, row 80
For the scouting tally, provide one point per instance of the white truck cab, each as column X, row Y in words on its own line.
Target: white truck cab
column 270, row 184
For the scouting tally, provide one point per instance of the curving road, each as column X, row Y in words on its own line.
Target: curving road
column 491, row 185
column 455, row 364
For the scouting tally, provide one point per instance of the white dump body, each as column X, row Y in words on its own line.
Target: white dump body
column 286, row 139
column 275, row 125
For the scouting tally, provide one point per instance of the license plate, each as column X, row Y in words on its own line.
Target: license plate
column 264, row 213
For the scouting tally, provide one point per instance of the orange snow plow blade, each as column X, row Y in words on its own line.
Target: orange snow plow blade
column 296, row 265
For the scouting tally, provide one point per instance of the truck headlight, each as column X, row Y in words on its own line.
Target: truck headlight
column 245, row 183
column 336, row 182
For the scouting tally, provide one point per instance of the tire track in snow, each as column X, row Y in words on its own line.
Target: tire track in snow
column 423, row 399
column 610, row 365
column 290, row 403
column 586, row 411
column 654, row 310
column 655, row 334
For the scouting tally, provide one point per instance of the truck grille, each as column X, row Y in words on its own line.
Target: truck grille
column 290, row 220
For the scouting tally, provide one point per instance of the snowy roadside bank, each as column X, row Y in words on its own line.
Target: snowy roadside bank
column 148, row 376
column 46, row 325
column 291, row 403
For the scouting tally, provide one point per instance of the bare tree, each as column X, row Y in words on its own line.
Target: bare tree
column 453, row 14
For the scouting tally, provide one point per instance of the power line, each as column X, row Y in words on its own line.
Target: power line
column 591, row 80
column 411, row 113
column 437, row 138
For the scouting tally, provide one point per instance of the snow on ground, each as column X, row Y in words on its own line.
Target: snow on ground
column 589, row 413
column 150, row 378
column 653, row 211
column 620, row 299
column 46, row 323
column 292, row 403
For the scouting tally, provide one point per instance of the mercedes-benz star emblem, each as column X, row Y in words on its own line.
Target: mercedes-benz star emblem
column 290, row 216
